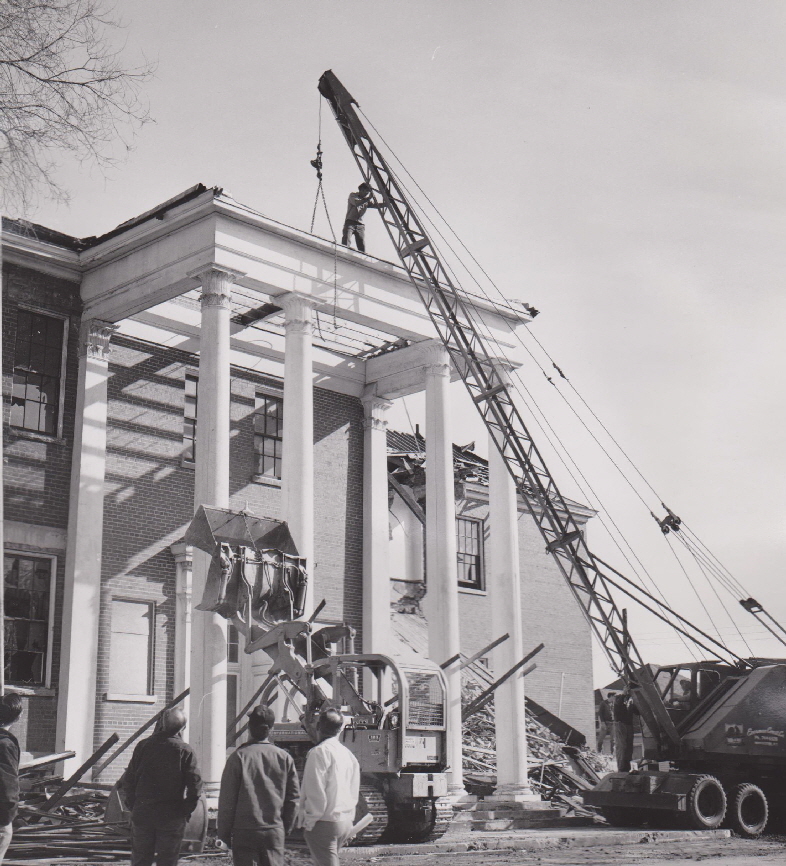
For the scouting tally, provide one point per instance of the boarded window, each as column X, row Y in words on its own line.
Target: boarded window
column 28, row 588
column 190, row 417
column 131, row 649
column 469, row 550
column 268, row 434
column 38, row 368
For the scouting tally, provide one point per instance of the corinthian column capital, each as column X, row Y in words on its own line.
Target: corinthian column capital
column 94, row 339
column 216, row 282
column 298, row 310
column 436, row 358
column 375, row 409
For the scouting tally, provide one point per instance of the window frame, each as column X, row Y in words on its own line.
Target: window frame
column 50, row 629
column 149, row 696
column 465, row 585
column 263, row 393
column 66, row 320
column 190, row 461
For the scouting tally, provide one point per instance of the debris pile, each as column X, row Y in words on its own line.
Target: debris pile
column 557, row 771
column 74, row 829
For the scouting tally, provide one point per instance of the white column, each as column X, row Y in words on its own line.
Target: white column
column 211, row 487
column 376, row 529
column 183, row 554
column 82, row 597
column 441, row 602
column 504, row 587
column 297, row 469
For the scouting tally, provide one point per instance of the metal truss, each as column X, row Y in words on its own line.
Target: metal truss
column 486, row 382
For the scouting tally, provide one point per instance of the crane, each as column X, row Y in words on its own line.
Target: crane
column 590, row 579
column 732, row 723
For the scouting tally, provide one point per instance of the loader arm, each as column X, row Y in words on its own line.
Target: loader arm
column 453, row 320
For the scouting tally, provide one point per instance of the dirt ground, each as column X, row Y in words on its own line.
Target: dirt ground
column 724, row 852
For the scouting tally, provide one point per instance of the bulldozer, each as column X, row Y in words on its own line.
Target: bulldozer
column 395, row 711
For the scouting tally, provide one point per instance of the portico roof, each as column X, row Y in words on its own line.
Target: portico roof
column 145, row 275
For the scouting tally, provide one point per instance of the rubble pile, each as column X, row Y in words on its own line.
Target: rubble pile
column 558, row 772
column 74, row 829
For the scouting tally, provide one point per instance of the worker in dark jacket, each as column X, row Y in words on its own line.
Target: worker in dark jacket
column 357, row 205
column 10, row 710
column 624, row 712
column 259, row 796
column 161, row 787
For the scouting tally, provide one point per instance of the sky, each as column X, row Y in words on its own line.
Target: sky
column 618, row 165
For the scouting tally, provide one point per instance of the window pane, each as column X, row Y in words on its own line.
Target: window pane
column 27, row 589
column 37, row 372
column 231, row 702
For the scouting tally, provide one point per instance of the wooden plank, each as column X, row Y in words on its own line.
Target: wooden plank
column 45, row 761
column 495, row 643
column 485, row 696
column 73, row 779
column 140, row 730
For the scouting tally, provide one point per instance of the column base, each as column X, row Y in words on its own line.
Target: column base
column 515, row 794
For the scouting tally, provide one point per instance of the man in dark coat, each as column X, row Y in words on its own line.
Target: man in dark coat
column 259, row 795
column 10, row 710
column 357, row 205
column 161, row 787
column 624, row 712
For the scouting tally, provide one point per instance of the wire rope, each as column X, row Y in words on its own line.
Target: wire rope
column 480, row 323
column 554, row 365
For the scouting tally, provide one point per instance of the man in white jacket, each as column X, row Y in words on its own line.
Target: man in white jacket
column 329, row 791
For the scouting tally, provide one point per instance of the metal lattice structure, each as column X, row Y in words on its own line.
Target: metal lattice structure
column 485, row 377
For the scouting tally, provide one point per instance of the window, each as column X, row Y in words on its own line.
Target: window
column 131, row 648
column 231, row 708
column 38, row 369
column 268, row 433
column 233, row 681
column 28, row 596
column 469, row 549
column 190, row 417
column 233, row 644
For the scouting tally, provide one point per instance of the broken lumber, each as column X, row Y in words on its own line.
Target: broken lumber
column 484, row 697
column 140, row 730
column 73, row 779
column 45, row 761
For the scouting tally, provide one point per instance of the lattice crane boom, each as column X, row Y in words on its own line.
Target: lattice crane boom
column 589, row 580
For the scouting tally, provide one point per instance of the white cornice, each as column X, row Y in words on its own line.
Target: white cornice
column 38, row 255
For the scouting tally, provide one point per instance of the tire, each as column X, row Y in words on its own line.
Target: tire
column 619, row 816
column 706, row 804
column 748, row 810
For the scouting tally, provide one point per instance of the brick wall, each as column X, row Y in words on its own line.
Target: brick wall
column 149, row 502
column 37, row 468
column 550, row 615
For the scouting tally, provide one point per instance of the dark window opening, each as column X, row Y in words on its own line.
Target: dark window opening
column 38, row 367
column 190, row 417
column 28, row 584
column 469, row 550
column 268, row 434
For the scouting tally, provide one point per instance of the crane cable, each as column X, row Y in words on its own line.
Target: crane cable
column 555, row 366
column 316, row 163
column 480, row 324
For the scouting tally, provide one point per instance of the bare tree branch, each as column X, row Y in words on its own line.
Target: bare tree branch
column 63, row 90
